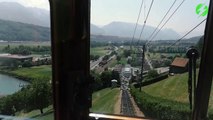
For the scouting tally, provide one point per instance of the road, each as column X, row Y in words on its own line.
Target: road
column 149, row 63
column 95, row 63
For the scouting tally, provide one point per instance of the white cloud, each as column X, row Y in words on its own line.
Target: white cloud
column 44, row 4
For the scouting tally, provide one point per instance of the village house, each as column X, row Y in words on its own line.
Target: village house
column 179, row 65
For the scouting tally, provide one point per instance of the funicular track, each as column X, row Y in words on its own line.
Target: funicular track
column 126, row 104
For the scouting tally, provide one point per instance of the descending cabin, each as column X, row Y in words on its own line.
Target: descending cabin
column 179, row 65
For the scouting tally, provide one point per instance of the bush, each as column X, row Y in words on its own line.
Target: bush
column 36, row 95
column 152, row 74
column 159, row 108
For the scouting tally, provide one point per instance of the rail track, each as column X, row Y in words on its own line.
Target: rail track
column 126, row 104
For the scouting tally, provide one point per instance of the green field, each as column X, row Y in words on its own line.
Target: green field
column 35, row 114
column 98, row 51
column 26, row 43
column 103, row 101
column 123, row 61
column 36, row 72
column 113, row 63
column 158, row 55
column 173, row 88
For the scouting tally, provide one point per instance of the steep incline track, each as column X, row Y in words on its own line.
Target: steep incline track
column 126, row 104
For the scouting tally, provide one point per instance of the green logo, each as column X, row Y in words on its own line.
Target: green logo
column 202, row 9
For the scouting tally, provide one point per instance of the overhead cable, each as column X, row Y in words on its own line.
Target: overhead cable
column 162, row 19
column 136, row 25
column 166, row 21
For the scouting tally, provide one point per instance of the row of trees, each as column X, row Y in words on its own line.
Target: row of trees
column 165, row 49
column 94, row 57
column 27, row 50
column 37, row 95
column 13, row 64
column 103, row 80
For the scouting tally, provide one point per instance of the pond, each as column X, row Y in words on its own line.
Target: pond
column 9, row 85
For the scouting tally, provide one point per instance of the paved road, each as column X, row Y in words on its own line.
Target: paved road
column 95, row 63
column 149, row 63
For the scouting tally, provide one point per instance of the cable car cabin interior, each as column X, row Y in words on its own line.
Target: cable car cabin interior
column 74, row 86
column 70, row 25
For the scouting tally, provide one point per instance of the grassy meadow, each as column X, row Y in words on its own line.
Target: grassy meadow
column 173, row 88
column 103, row 101
column 101, row 51
column 35, row 72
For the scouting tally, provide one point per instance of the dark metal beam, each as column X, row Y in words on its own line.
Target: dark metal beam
column 206, row 71
column 70, row 29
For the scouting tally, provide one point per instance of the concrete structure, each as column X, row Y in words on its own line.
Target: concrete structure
column 118, row 68
column 16, row 57
column 11, row 60
column 179, row 65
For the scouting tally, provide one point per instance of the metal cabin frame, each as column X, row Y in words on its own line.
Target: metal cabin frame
column 70, row 31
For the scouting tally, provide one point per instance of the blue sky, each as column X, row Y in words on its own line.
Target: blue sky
column 106, row 11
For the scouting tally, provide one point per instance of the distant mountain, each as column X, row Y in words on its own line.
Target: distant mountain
column 16, row 12
column 124, row 29
column 16, row 31
column 95, row 30
column 195, row 39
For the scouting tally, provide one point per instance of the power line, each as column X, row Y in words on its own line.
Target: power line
column 136, row 25
column 188, row 32
column 145, row 20
column 166, row 22
column 162, row 19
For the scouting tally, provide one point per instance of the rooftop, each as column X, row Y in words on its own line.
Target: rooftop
column 14, row 56
column 180, row 62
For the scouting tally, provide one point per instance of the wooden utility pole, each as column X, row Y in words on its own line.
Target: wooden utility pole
column 142, row 63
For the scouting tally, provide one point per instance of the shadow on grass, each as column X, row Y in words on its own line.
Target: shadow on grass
column 46, row 113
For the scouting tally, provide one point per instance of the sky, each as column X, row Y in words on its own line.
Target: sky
column 44, row 4
column 105, row 11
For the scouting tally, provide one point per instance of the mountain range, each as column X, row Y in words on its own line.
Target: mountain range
column 124, row 29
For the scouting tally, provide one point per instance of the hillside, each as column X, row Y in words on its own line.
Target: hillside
column 16, row 31
column 173, row 88
column 14, row 11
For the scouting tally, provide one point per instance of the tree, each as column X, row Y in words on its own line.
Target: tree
column 6, row 49
column 152, row 74
column 118, row 58
column 97, row 85
column 39, row 95
column 106, row 57
column 116, row 76
column 106, row 78
column 127, row 53
column 200, row 44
